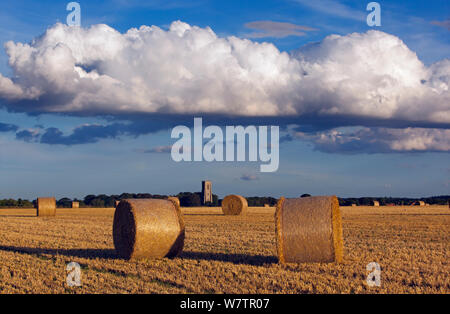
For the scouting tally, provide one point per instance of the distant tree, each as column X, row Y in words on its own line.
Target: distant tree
column 159, row 197
column 110, row 202
column 6, row 203
column 215, row 201
column 144, row 195
column 88, row 199
column 64, row 203
column 256, row 201
column 306, row 195
column 188, row 199
column 97, row 203
column 124, row 196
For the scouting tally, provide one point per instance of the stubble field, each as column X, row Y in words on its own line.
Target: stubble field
column 224, row 254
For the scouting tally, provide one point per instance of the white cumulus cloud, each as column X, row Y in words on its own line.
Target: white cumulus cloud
column 190, row 70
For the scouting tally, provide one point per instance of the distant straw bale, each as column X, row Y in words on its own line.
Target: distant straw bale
column 234, row 205
column 46, row 207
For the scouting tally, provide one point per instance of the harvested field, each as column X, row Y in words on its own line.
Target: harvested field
column 230, row 254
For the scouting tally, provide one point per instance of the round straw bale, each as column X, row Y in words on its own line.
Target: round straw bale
column 148, row 228
column 174, row 199
column 309, row 230
column 46, row 206
column 75, row 204
column 234, row 205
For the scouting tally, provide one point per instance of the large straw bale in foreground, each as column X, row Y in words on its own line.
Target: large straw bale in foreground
column 234, row 205
column 174, row 199
column 309, row 230
column 148, row 228
column 46, row 207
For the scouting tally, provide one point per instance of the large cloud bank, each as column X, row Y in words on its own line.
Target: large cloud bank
column 188, row 69
column 372, row 78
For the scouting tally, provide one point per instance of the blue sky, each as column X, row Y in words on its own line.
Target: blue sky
column 113, row 157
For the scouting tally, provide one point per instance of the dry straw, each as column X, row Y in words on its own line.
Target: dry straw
column 75, row 205
column 376, row 203
column 46, row 206
column 148, row 228
column 234, row 205
column 174, row 199
column 309, row 229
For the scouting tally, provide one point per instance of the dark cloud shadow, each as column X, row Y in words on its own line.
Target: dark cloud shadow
column 18, row 216
column 205, row 215
column 133, row 125
column 81, row 253
column 6, row 127
column 255, row 260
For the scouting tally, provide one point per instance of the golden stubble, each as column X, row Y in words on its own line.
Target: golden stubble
column 226, row 254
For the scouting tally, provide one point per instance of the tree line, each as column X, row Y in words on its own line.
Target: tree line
column 397, row 201
column 190, row 199
column 16, row 203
